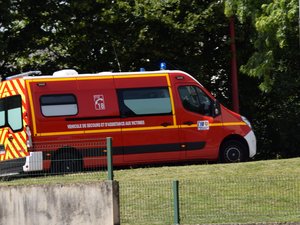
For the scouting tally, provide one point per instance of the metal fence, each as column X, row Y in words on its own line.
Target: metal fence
column 214, row 201
column 61, row 158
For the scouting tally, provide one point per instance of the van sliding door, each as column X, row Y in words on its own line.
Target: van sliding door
column 149, row 133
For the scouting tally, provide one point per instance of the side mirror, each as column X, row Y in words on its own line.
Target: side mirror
column 216, row 108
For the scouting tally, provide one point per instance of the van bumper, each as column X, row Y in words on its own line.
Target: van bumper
column 11, row 167
column 251, row 140
column 33, row 162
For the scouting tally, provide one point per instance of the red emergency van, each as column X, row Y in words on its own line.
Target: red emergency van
column 160, row 116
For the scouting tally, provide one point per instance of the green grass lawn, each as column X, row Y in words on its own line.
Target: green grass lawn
column 262, row 191
column 270, row 168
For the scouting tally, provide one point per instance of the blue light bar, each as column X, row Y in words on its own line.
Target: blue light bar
column 163, row 66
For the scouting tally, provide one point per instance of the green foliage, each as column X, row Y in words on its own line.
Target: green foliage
column 274, row 62
column 118, row 35
column 275, row 40
column 191, row 35
column 243, row 8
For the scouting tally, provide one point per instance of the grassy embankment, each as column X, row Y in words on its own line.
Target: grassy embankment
column 263, row 191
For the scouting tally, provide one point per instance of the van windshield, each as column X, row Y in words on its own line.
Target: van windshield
column 11, row 112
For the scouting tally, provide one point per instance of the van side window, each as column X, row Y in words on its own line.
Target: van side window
column 59, row 105
column 195, row 100
column 144, row 101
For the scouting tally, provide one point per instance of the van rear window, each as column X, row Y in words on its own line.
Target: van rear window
column 144, row 101
column 59, row 105
column 11, row 112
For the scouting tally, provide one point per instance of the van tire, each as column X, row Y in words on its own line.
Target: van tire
column 66, row 162
column 233, row 151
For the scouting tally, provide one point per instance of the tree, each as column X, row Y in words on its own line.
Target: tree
column 107, row 35
column 191, row 35
column 275, row 64
column 5, row 23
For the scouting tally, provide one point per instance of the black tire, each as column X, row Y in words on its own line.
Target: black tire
column 233, row 151
column 66, row 162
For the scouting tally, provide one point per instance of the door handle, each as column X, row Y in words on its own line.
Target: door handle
column 165, row 124
column 188, row 123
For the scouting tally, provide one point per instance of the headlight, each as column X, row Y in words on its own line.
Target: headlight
column 246, row 121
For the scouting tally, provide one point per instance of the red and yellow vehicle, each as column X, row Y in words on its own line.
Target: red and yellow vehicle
column 160, row 116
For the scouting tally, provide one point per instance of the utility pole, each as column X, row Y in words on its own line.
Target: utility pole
column 234, row 73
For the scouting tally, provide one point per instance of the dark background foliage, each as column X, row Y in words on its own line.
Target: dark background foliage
column 189, row 35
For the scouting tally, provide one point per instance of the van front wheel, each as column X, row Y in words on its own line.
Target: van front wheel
column 233, row 151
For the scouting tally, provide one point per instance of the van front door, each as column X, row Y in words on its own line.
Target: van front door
column 199, row 130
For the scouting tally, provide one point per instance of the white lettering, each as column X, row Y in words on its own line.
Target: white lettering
column 74, row 126
column 106, row 124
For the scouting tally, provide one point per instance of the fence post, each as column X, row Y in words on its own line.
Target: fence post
column 176, row 202
column 109, row 158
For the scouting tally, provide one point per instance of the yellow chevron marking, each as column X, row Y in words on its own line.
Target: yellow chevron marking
column 2, row 85
column 7, row 89
column 3, row 135
column 23, row 135
column 5, row 92
column 12, row 90
column 19, row 142
column 12, row 149
column 23, row 154
column 22, row 142
column 19, row 85
column 8, row 156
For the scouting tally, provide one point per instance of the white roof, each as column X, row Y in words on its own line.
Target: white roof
column 73, row 73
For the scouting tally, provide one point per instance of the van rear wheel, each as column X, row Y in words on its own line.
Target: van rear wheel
column 233, row 151
column 66, row 162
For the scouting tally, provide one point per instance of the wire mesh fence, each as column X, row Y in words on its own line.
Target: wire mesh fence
column 210, row 200
column 214, row 201
column 146, row 202
column 59, row 158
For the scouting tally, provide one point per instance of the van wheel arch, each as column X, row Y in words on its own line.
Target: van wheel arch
column 66, row 160
column 233, row 148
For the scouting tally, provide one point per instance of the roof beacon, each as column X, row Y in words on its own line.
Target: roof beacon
column 163, row 66
column 66, row 72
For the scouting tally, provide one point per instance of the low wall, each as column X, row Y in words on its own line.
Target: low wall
column 71, row 204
